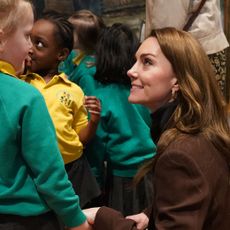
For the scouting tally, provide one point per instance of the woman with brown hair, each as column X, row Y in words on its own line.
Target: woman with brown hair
column 172, row 76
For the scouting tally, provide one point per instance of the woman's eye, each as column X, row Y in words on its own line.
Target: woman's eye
column 147, row 61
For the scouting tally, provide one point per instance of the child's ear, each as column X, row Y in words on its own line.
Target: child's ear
column 63, row 54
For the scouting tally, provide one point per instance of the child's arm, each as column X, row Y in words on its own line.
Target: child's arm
column 93, row 106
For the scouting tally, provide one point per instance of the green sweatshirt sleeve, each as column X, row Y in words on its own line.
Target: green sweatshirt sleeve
column 41, row 154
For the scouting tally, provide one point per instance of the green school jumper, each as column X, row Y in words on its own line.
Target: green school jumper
column 32, row 175
column 123, row 136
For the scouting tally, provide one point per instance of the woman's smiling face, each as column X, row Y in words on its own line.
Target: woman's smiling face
column 152, row 76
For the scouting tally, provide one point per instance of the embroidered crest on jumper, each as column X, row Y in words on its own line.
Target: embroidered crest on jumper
column 64, row 97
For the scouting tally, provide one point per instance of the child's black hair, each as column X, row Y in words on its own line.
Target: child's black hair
column 64, row 29
column 115, row 54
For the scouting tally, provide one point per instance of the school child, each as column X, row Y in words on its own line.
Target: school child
column 123, row 136
column 80, row 64
column 34, row 187
column 52, row 39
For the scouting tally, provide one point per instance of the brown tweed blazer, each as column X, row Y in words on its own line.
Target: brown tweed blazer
column 191, row 190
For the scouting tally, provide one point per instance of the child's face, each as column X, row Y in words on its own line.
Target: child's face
column 16, row 45
column 45, row 53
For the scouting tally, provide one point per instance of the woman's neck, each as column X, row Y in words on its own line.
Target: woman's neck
column 160, row 119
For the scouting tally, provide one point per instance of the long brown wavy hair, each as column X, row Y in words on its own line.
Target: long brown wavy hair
column 201, row 107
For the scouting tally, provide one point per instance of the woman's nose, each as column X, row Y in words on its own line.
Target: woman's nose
column 132, row 72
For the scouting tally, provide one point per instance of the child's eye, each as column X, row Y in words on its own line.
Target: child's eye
column 39, row 45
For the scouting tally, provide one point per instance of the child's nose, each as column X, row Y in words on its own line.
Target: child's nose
column 30, row 43
column 30, row 51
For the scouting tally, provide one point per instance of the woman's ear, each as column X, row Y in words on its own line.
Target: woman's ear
column 63, row 54
column 175, row 86
column 174, row 90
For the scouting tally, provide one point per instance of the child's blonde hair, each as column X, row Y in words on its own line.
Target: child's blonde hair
column 13, row 12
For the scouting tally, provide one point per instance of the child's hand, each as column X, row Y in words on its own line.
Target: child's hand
column 93, row 105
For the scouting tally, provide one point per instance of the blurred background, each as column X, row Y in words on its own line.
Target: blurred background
column 131, row 12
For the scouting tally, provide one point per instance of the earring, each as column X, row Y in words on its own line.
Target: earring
column 174, row 95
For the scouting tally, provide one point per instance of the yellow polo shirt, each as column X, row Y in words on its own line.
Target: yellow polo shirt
column 64, row 100
column 7, row 68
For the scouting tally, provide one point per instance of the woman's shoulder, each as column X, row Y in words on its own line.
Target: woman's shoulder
column 186, row 140
column 185, row 143
column 196, row 149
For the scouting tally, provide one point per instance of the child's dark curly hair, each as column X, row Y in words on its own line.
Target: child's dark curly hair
column 115, row 54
